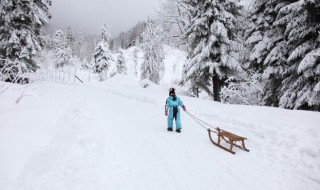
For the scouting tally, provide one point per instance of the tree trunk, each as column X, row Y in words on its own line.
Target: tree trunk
column 216, row 88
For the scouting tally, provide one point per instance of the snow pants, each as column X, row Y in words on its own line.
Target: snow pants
column 174, row 113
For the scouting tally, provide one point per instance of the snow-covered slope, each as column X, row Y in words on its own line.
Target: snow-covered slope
column 112, row 135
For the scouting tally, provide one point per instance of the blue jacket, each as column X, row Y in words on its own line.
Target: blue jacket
column 170, row 104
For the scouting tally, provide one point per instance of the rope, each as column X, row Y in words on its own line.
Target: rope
column 201, row 122
column 197, row 121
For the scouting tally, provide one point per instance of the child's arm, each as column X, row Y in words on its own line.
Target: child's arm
column 182, row 105
column 166, row 107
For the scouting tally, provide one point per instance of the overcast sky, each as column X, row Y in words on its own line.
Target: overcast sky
column 89, row 15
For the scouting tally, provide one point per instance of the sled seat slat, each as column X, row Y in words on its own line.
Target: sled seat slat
column 231, row 136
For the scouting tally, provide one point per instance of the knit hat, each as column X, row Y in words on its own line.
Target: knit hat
column 172, row 90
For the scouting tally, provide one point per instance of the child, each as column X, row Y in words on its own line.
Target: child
column 172, row 105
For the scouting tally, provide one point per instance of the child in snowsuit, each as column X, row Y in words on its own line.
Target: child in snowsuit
column 172, row 105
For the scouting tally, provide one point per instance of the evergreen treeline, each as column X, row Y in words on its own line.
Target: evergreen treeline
column 268, row 54
column 129, row 38
column 22, row 36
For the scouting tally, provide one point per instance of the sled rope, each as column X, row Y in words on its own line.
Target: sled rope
column 201, row 122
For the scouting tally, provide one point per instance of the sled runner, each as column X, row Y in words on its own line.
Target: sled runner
column 232, row 140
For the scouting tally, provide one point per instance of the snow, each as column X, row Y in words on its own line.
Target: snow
column 246, row 3
column 173, row 63
column 309, row 61
column 112, row 135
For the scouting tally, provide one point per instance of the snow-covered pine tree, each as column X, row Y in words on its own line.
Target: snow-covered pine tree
column 173, row 18
column 88, row 46
column 62, row 51
column 267, row 45
column 70, row 37
column 127, row 39
column 137, row 41
column 121, row 63
column 79, row 46
column 301, row 81
column 103, row 56
column 248, row 91
column 152, row 67
column 21, row 35
column 213, row 44
column 135, row 61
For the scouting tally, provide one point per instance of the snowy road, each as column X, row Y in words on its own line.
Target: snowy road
column 113, row 136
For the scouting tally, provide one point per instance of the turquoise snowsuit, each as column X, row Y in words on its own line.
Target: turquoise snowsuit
column 172, row 105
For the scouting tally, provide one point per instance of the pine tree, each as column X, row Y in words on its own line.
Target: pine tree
column 301, row 81
column 213, row 44
column 285, row 48
column 62, row 51
column 88, row 47
column 267, row 45
column 103, row 56
column 152, row 67
column 127, row 39
column 21, row 35
column 137, row 41
column 174, row 20
column 135, row 61
column 248, row 91
column 79, row 46
column 70, row 37
column 121, row 63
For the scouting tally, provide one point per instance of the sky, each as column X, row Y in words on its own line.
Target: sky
column 89, row 15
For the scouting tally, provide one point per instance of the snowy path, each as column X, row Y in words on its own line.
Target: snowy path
column 113, row 136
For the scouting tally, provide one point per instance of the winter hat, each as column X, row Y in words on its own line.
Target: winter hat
column 172, row 90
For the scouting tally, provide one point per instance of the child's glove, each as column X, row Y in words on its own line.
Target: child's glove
column 184, row 108
column 166, row 112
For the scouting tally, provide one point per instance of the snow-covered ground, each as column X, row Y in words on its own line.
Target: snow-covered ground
column 112, row 135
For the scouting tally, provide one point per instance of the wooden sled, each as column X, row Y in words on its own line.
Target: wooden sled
column 232, row 139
